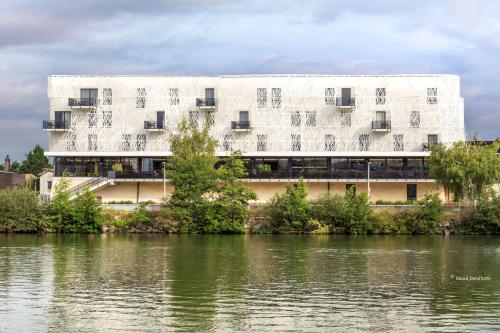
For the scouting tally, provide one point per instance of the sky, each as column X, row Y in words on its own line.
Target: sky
column 210, row 37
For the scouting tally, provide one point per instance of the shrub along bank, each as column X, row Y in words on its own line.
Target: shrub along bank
column 290, row 212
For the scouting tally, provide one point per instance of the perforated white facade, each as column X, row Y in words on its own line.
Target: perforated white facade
column 289, row 115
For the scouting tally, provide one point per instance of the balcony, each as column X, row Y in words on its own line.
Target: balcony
column 346, row 103
column 153, row 126
column 381, row 126
column 240, row 126
column 206, row 103
column 82, row 103
column 56, row 126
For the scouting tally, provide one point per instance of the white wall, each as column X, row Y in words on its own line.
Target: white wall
column 239, row 93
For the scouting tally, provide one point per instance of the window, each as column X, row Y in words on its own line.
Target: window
column 397, row 143
column 261, row 97
column 88, row 97
column 380, row 96
column 329, row 142
column 311, row 118
column 345, row 119
column 71, row 142
column 432, row 139
column 140, row 101
column 141, row 142
column 126, row 142
column 92, row 118
column 296, row 142
column 160, row 119
column 107, row 119
column 92, row 142
column 432, row 95
column 295, row 118
column 194, row 117
column 49, row 184
column 107, row 96
column 227, row 143
column 244, row 116
column 364, row 142
column 411, row 192
column 415, row 119
column 174, row 96
column 350, row 187
column 329, row 96
column 261, row 142
column 210, row 118
column 62, row 119
column 276, row 98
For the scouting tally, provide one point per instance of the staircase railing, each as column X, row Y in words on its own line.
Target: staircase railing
column 87, row 184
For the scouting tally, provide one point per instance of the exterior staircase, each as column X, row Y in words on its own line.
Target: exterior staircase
column 91, row 185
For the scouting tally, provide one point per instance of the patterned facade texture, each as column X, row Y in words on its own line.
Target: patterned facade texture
column 268, row 115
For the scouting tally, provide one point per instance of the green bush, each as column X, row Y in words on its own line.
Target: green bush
column 83, row 214
column 20, row 211
column 120, row 202
column 387, row 222
column 388, row 202
column 343, row 214
column 427, row 216
column 486, row 218
column 140, row 215
column 290, row 210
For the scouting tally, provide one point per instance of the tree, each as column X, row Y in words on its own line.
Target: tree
column 60, row 209
column 191, row 170
column 87, row 214
column 228, row 211
column 35, row 162
column 465, row 169
column 20, row 210
column 290, row 210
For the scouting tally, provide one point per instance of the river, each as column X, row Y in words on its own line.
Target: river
column 255, row 283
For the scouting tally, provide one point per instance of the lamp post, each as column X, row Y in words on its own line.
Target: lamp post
column 368, row 165
column 164, row 181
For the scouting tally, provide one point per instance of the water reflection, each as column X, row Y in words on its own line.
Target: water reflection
column 247, row 283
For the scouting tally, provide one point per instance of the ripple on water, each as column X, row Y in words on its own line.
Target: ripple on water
column 143, row 283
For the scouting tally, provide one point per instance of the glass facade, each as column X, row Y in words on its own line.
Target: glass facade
column 258, row 167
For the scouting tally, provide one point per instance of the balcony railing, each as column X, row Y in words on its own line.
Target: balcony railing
column 346, row 102
column 206, row 102
column 381, row 125
column 240, row 125
column 52, row 125
column 82, row 102
column 153, row 126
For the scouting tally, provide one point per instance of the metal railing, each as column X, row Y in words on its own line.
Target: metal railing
column 82, row 102
column 55, row 124
column 240, row 125
column 381, row 125
column 130, row 174
column 87, row 184
column 153, row 125
column 337, row 174
column 346, row 101
column 206, row 102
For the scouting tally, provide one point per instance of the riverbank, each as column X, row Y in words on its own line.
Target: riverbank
column 289, row 213
column 382, row 221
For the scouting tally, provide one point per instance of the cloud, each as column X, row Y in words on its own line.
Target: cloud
column 191, row 37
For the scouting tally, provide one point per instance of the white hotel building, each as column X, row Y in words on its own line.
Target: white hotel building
column 328, row 129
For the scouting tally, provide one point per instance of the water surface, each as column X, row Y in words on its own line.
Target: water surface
column 158, row 283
